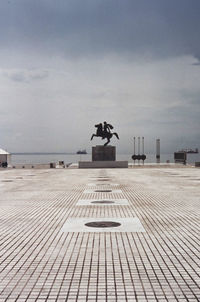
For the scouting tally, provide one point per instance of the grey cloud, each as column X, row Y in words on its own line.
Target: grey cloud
column 196, row 64
column 25, row 75
column 16, row 76
column 152, row 28
column 38, row 75
column 87, row 65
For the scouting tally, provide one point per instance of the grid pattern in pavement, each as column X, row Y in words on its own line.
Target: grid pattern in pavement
column 38, row 262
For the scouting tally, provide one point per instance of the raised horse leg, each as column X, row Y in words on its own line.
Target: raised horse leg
column 93, row 136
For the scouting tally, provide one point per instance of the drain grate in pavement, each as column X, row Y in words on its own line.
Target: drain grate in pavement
column 103, row 184
column 103, row 201
column 89, row 191
column 173, row 174
column 78, row 224
column 103, row 224
column 103, row 179
column 98, row 185
column 99, row 177
column 103, row 191
column 7, row 180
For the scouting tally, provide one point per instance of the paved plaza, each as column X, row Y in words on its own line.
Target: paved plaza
column 100, row 235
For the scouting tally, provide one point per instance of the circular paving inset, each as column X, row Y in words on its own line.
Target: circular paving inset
column 103, row 190
column 7, row 180
column 103, row 224
column 103, row 179
column 103, row 201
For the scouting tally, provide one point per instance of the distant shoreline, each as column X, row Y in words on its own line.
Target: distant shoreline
column 41, row 153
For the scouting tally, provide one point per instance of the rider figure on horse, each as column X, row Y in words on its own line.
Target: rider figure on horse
column 104, row 131
column 106, row 128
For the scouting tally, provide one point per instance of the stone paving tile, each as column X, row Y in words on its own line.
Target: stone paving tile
column 40, row 263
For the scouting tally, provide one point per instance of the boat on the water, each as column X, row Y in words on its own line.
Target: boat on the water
column 196, row 150
column 81, row 152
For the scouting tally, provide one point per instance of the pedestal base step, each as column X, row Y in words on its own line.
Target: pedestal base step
column 102, row 164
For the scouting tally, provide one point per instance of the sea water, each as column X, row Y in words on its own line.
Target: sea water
column 75, row 158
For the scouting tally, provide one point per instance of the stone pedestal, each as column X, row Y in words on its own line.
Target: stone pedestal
column 103, row 157
column 104, row 153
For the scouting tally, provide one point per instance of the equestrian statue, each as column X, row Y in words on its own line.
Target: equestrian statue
column 104, row 131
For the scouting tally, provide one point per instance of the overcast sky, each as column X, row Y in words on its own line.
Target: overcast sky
column 66, row 65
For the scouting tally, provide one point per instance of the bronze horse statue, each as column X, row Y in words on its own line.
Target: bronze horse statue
column 104, row 132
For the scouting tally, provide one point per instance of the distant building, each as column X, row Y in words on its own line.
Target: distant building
column 5, row 158
column 180, row 157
